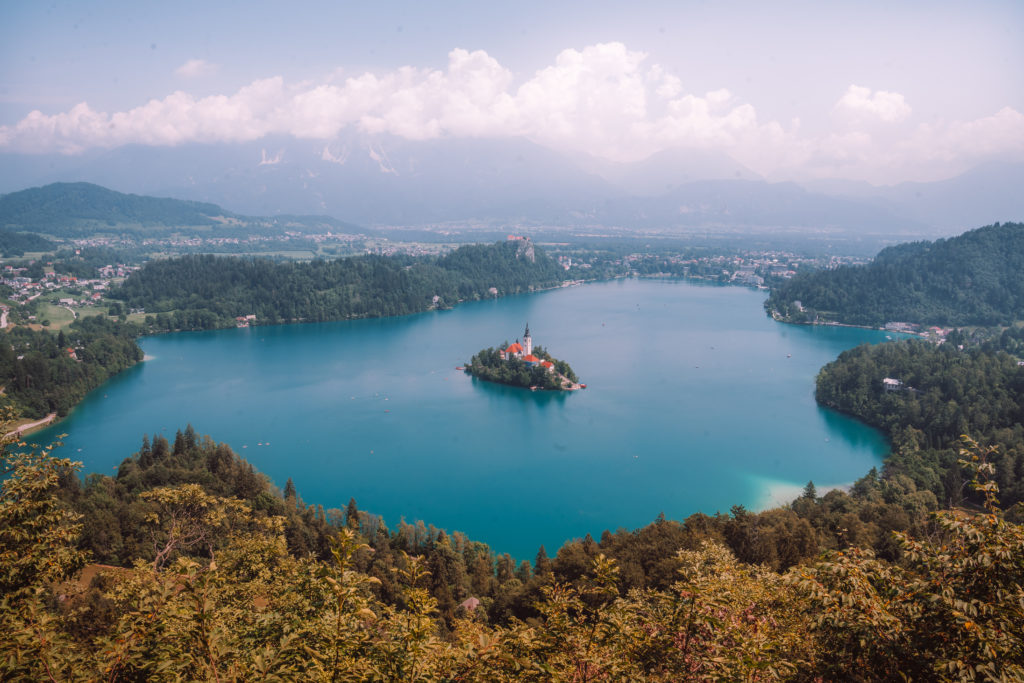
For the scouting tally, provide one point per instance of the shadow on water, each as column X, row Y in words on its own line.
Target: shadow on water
column 504, row 391
column 857, row 434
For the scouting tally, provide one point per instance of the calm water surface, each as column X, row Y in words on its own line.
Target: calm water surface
column 696, row 401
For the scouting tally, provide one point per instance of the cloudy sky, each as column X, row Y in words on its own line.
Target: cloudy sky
column 878, row 91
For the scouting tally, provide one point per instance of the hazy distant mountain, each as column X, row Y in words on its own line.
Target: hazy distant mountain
column 748, row 204
column 383, row 180
column 986, row 194
column 664, row 171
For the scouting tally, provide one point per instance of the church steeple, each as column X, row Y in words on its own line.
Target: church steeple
column 527, row 341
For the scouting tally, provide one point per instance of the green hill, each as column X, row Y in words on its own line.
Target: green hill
column 68, row 209
column 976, row 278
column 17, row 243
column 84, row 209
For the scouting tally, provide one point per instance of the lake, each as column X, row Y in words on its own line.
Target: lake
column 696, row 401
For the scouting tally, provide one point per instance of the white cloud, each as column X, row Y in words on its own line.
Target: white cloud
column 603, row 99
column 1001, row 134
column 194, row 68
column 860, row 103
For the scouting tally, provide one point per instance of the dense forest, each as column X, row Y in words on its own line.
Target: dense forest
column 944, row 392
column 215, row 575
column 17, row 243
column 976, row 278
column 488, row 364
column 44, row 373
column 203, row 292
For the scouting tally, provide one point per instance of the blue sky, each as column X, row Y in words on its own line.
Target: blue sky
column 879, row 91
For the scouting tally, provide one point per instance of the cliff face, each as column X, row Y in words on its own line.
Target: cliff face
column 526, row 251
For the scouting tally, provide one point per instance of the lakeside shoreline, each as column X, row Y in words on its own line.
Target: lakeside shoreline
column 536, row 410
column 25, row 428
column 779, row 319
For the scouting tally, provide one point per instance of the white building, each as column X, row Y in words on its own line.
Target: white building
column 890, row 384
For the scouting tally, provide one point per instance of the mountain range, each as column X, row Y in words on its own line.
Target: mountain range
column 388, row 181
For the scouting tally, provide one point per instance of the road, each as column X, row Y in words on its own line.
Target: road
column 31, row 425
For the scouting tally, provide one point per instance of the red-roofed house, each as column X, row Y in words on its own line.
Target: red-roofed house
column 513, row 351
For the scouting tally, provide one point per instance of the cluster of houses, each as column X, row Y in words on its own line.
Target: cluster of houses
column 25, row 288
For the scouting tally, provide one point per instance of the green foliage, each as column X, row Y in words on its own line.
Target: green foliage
column 79, row 209
column 946, row 392
column 17, row 243
column 203, row 292
column 37, row 550
column 953, row 609
column 36, row 530
column 236, row 604
column 46, row 379
column 974, row 279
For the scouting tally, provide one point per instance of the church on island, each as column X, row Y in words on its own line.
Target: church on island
column 524, row 352
column 521, row 364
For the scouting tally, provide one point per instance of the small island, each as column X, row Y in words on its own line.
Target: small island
column 523, row 365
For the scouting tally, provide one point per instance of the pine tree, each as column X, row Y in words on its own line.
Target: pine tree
column 352, row 515
column 541, row 565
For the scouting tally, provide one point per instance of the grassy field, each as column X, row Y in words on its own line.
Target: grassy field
column 139, row 318
column 58, row 316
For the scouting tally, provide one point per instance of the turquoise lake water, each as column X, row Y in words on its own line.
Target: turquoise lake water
column 696, row 401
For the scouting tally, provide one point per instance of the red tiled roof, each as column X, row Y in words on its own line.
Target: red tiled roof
column 547, row 364
column 531, row 358
column 515, row 348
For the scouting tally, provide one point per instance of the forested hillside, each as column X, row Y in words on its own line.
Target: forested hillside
column 220, row 577
column 45, row 373
column 974, row 279
column 84, row 209
column 17, row 243
column 76, row 209
column 203, row 292
column 945, row 393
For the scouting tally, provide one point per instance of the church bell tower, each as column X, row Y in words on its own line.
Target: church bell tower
column 527, row 341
